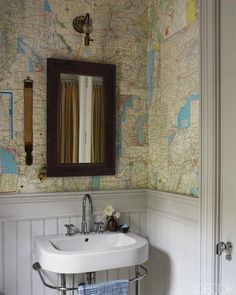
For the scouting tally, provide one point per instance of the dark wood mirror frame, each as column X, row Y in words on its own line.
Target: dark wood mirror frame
column 108, row 73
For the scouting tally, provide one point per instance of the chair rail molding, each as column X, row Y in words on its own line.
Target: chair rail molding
column 44, row 205
column 173, row 206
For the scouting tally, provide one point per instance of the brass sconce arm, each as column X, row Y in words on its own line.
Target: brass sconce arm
column 83, row 24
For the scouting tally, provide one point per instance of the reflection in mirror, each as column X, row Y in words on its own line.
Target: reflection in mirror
column 81, row 119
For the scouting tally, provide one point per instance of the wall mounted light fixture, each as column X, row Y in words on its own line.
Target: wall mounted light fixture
column 83, row 24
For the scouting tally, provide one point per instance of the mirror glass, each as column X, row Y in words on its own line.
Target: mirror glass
column 81, row 119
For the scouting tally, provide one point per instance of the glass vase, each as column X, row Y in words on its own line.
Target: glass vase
column 112, row 224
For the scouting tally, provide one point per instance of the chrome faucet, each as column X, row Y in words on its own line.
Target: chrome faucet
column 84, row 226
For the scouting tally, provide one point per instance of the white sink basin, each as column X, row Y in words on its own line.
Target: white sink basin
column 91, row 252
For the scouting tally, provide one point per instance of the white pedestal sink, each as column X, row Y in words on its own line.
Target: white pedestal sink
column 91, row 252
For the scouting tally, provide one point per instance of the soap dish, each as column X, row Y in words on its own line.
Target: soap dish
column 124, row 228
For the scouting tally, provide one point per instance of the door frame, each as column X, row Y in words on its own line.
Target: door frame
column 210, row 146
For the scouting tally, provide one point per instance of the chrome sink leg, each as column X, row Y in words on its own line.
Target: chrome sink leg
column 137, row 283
column 63, row 283
column 91, row 277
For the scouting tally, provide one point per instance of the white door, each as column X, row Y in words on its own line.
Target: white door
column 227, row 272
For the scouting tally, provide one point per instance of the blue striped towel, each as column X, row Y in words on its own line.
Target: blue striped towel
column 118, row 287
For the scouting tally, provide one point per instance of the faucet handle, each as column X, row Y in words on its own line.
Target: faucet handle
column 99, row 227
column 69, row 229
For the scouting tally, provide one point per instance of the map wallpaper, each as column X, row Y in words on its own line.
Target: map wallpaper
column 173, row 71
column 155, row 45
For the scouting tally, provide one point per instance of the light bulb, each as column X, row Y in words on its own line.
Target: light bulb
column 87, row 28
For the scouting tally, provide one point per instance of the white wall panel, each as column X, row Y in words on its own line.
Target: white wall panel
column 143, row 224
column 173, row 233
column 24, row 264
column 10, row 258
column 50, row 228
column 134, row 221
column 37, row 229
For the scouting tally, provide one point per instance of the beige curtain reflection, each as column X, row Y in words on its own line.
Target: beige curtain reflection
column 69, row 122
column 97, row 142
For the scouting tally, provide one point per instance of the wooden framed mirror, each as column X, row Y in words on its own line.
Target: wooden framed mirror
column 80, row 118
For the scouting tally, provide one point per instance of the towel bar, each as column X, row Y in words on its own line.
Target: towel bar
column 37, row 267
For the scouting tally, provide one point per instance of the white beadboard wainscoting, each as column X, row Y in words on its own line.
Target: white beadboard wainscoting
column 169, row 221
column 174, row 237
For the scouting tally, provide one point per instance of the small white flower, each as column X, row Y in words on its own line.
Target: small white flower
column 117, row 215
column 108, row 211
